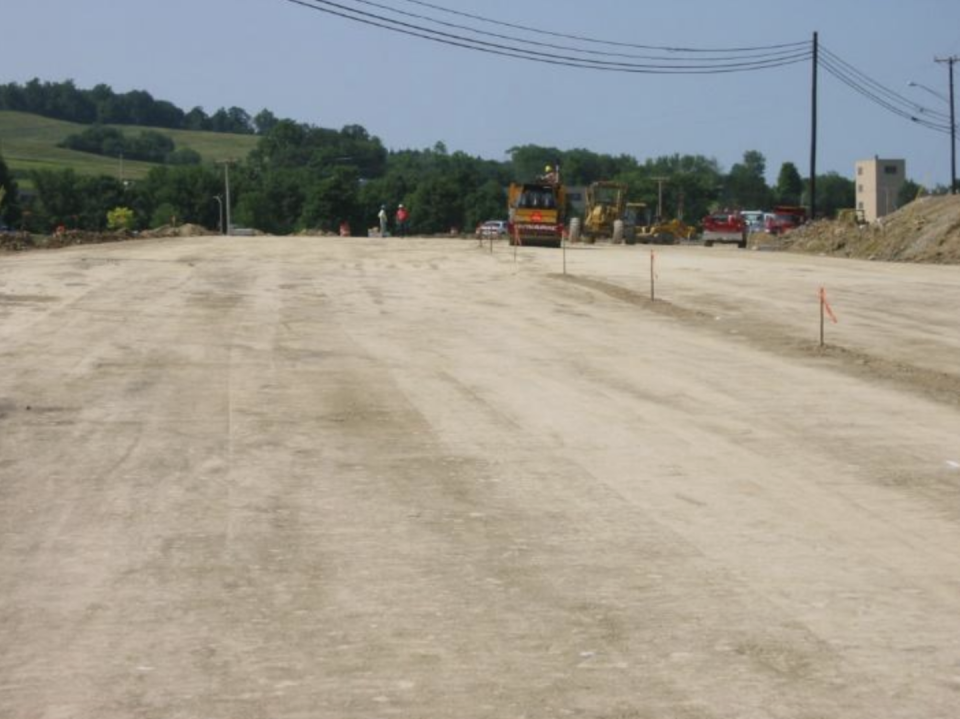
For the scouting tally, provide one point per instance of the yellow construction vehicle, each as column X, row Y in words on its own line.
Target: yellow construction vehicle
column 537, row 212
column 606, row 203
column 668, row 232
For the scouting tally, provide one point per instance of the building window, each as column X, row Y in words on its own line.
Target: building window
column 860, row 189
column 859, row 205
column 859, row 170
column 890, row 169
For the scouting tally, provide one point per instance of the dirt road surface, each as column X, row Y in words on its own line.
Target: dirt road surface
column 297, row 478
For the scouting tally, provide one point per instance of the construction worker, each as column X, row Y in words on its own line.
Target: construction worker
column 382, row 216
column 403, row 216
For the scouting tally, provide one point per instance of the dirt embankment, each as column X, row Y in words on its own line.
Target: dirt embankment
column 926, row 230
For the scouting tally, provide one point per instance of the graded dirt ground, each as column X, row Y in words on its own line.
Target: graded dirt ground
column 298, row 477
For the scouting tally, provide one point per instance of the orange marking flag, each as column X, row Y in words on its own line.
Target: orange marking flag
column 826, row 305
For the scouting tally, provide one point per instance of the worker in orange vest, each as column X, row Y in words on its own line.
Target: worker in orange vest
column 403, row 216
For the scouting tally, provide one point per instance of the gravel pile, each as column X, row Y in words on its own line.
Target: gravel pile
column 926, row 230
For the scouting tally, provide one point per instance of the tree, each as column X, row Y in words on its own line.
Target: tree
column 9, row 196
column 188, row 189
column 488, row 202
column 529, row 161
column 834, row 192
column 436, row 205
column 909, row 192
column 333, row 200
column 57, row 200
column 789, row 188
column 746, row 186
column 196, row 119
column 264, row 121
column 183, row 156
column 691, row 185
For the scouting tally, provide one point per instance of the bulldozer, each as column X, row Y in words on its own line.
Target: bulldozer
column 606, row 202
column 638, row 227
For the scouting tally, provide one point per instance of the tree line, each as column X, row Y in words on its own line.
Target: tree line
column 147, row 145
column 303, row 177
column 102, row 106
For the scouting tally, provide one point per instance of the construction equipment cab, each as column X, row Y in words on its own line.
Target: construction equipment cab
column 606, row 203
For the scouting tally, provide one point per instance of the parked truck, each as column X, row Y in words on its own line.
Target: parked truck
column 724, row 227
column 537, row 213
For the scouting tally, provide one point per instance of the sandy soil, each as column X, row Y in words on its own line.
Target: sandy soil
column 261, row 477
column 926, row 230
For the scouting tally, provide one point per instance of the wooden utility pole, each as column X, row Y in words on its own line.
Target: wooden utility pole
column 660, row 181
column 950, row 62
column 813, row 129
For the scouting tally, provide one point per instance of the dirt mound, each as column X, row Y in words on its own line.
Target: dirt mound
column 21, row 241
column 926, row 230
column 176, row 231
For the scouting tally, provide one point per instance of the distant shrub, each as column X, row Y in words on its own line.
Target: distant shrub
column 120, row 218
column 183, row 156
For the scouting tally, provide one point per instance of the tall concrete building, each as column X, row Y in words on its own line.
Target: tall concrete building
column 878, row 185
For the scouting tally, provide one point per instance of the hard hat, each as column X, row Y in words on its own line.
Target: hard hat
column 401, row 206
column 548, row 169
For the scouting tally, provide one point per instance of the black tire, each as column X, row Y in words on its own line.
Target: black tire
column 708, row 243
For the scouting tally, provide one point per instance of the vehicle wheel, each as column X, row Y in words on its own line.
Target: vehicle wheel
column 742, row 244
column 708, row 243
column 618, row 232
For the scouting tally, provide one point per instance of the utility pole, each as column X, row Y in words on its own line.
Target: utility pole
column 226, row 179
column 219, row 213
column 813, row 129
column 950, row 62
column 660, row 181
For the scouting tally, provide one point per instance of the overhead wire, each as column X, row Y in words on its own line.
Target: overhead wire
column 582, row 38
column 740, row 64
column 705, row 61
column 754, row 54
column 892, row 95
column 877, row 93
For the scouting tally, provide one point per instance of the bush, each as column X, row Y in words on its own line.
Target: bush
column 120, row 218
column 183, row 156
column 165, row 214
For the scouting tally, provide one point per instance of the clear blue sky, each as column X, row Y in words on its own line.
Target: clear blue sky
column 411, row 93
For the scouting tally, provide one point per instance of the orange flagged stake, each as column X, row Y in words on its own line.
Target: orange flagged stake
column 825, row 310
column 826, row 305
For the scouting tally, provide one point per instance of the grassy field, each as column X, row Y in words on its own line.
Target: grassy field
column 29, row 142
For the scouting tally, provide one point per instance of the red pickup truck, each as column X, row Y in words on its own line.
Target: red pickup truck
column 724, row 227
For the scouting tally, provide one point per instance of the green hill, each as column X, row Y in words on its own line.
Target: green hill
column 29, row 142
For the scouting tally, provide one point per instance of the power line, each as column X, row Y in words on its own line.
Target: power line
column 582, row 38
column 875, row 92
column 445, row 38
column 754, row 53
column 891, row 95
